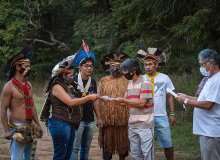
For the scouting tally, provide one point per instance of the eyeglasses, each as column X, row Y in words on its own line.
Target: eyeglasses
column 87, row 66
column 201, row 64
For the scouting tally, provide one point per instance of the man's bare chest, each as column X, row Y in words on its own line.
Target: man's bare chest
column 17, row 96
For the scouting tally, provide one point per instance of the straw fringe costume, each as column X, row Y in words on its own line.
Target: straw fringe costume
column 114, row 134
column 113, row 137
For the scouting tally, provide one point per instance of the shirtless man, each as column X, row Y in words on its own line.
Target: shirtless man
column 15, row 99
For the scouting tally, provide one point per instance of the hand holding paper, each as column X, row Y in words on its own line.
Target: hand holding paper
column 171, row 92
column 106, row 98
column 174, row 94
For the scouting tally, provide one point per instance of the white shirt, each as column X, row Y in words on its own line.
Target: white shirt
column 207, row 122
column 161, row 83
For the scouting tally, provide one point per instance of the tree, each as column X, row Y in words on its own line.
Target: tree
column 183, row 28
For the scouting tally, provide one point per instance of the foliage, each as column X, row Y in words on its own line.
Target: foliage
column 183, row 28
column 12, row 20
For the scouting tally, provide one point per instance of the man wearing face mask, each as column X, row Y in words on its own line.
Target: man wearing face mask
column 202, row 83
column 17, row 96
column 139, row 97
column 206, row 116
column 113, row 137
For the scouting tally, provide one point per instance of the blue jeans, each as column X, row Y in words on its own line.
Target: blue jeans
column 162, row 127
column 20, row 151
column 84, row 137
column 63, row 135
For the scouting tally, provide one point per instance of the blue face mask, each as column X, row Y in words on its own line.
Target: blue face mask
column 69, row 80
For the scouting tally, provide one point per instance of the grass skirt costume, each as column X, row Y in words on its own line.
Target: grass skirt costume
column 114, row 134
column 113, row 137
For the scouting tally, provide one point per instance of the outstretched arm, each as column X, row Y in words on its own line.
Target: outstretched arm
column 141, row 103
column 61, row 94
column 198, row 104
column 187, row 96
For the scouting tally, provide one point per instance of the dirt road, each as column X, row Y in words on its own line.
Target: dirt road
column 45, row 148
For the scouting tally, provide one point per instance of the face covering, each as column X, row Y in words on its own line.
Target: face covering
column 128, row 76
column 204, row 72
column 25, row 72
column 115, row 71
column 69, row 80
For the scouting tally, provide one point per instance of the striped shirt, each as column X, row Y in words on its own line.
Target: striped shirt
column 142, row 118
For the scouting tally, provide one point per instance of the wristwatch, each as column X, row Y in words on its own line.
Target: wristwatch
column 185, row 101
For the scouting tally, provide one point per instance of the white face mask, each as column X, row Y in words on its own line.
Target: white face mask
column 204, row 72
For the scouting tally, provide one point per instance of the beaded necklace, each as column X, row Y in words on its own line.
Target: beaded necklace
column 25, row 90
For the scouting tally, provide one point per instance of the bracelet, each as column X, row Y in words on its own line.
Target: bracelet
column 172, row 114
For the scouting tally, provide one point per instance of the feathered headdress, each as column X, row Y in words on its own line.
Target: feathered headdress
column 83, row 53
column 24, row 55
column 117, row 56
column 63, row 65
column 151, row 54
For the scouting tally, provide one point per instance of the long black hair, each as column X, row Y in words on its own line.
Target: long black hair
column 13, row 71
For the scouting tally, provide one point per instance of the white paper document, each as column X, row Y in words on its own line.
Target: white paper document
column 184, row 106
column 106, row 97
column 174, row 94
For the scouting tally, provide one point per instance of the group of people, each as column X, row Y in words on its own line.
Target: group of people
column 129, row 107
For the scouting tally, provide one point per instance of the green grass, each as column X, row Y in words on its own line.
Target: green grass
column 183, row 138
column 38, row 105
column 185, row 144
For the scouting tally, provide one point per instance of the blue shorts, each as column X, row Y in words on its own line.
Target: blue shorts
column 162, row 128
